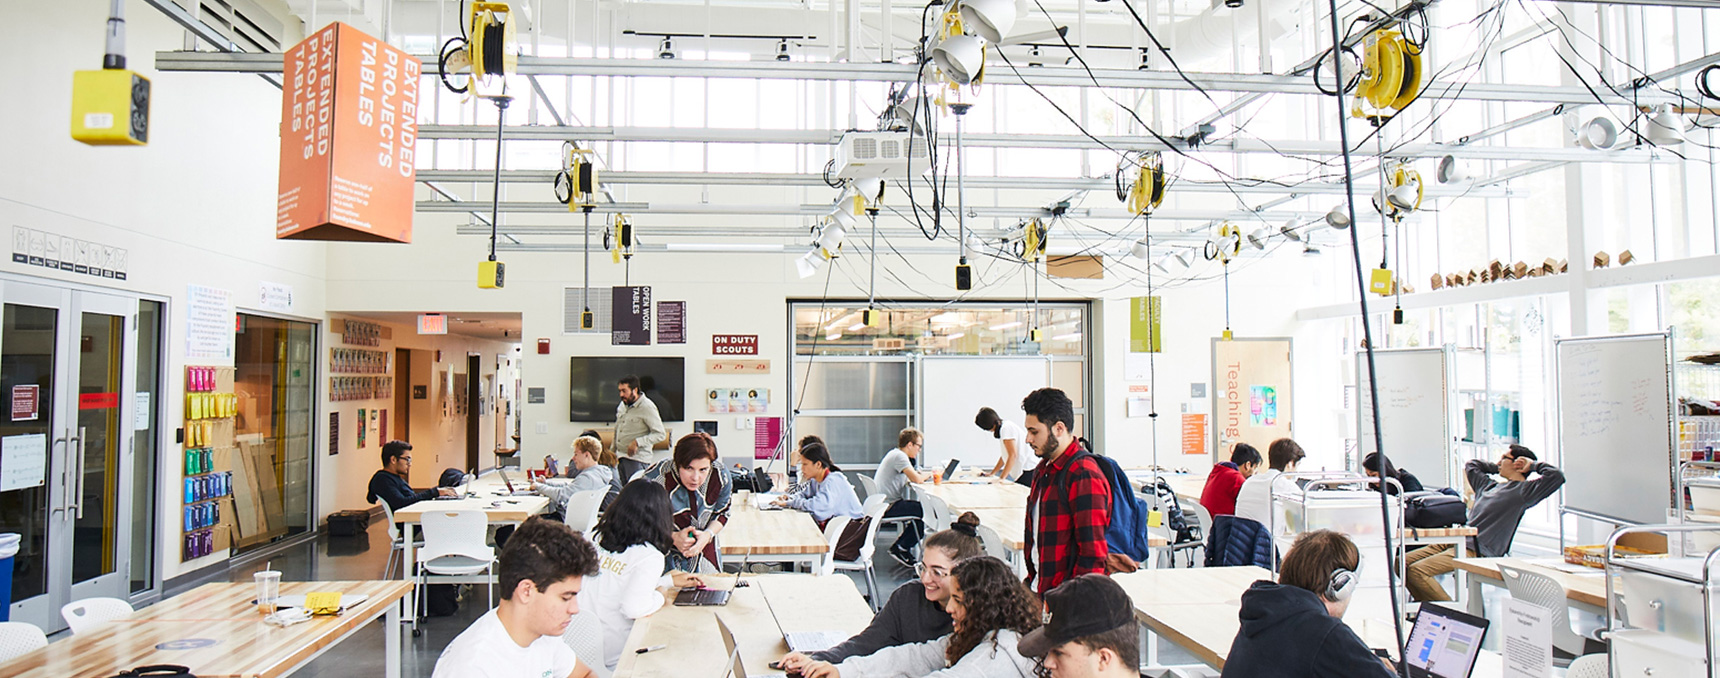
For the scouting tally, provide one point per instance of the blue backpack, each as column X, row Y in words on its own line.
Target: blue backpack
column 1127, row 533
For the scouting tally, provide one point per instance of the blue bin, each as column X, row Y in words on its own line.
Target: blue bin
column 8, row 549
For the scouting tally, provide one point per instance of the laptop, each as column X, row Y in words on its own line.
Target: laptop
column 1444, row 643
column 950, row 470
column 735, row 668
column 700, row 597
column 805, row 641
column 510, row 483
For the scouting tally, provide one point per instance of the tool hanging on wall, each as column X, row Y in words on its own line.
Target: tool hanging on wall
column 483, row 49
column 1391, row 75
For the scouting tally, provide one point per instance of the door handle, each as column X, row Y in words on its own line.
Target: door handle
column 76, row 497
column 55, row 446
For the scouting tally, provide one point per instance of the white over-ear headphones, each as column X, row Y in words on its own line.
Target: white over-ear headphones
column 1342, row 585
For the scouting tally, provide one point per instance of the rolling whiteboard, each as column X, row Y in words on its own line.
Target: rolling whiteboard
column 1615, row 426
column 1414, row 419
column 952, row 389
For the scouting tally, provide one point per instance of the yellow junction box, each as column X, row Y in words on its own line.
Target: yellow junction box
column 110, row 107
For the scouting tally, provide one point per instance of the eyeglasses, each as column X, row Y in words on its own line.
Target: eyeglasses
column 939, row 572
column 405, row 459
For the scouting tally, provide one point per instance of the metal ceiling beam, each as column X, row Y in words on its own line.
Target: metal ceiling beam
column 773, row 179
column 898, row 73
column 208, row 34
column 821, row 209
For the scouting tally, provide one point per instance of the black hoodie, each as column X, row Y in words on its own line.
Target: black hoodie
column 1287, row 633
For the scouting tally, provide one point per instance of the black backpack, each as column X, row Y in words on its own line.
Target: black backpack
column 1182, row 529
column 157, row 671
column 1433, row 509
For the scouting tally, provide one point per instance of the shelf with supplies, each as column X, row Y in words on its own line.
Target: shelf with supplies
column 358, row 361
column 211, row 409
column 342, row 389
column 360, row 333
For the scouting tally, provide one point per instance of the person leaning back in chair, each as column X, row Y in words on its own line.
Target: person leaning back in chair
column 1494, row 513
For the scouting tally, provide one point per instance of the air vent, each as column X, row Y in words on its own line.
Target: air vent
column 571, row 306
column 251, row 27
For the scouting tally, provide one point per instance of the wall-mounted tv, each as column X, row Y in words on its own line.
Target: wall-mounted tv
column 591, row 386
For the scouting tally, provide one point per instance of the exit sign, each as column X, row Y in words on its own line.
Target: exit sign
column 432, row 323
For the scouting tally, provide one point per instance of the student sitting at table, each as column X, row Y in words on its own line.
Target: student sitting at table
column 584, row 473
column 631, row 540
column 1294, row 628
column 1371, row 466
column 540, row 573
column 1254, row 500
column 989, row 609
column 1494, row 512
column 699, row 496
column 1089, row 631
column 915, row 611
column 824, row 491
column 1226, row 478
column 389, row 482
column 893, row 475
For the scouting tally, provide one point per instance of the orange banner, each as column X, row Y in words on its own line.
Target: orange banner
column 1194, row 434
column 349, row 124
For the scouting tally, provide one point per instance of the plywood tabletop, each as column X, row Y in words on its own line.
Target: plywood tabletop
column 1436, row 532
column 1011, row 525
column 970, row 496
column 214, row 629
column 501, row 509
column 802, row 602
column 1589, row 587
column 752, row 532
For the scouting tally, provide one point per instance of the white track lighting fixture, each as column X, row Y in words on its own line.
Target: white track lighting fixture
column 1288, row 230
column 666, row 49
column 1141, row 250
column 989, row 19
column 808, row 263
column 782, row 50
column 1454, row 171
column 960, row 58
column 1257, row 238
column 1338, row 218
column 1666, row 128
column 1599, row 134
column 830, row 237
column 1181, row 257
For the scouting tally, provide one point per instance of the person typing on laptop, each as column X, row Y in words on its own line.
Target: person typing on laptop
column 824, row 491
column 632, row 538
column 915, row 611
column 389, row 482
column 1294, row 628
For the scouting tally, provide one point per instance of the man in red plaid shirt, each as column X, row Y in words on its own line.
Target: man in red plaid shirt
column 1069, row 504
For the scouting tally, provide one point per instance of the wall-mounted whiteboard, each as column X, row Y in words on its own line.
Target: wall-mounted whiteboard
column 1414, row 420
column 1615, row 426
column 952, row 389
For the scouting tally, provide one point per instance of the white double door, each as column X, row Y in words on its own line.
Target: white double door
column 67, row 373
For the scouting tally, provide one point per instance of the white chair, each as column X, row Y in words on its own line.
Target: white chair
column 937, row 512
column 19, row 638
column 863, row 562
column 1540, row 589
column 87, row 614
column 455, row 551
column 396, row 543
column 832, row 534
column 992, row 543
column 869, row 485
column 585, row 633
column 1589, row 666
column 582, row 509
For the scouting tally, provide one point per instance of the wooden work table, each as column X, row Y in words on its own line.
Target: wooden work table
column 970, row 496
column 215, row 629
column 1588, row 588
column 770, row 536
column 801, row 602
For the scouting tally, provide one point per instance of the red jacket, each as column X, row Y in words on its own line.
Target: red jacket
column 1222, row 484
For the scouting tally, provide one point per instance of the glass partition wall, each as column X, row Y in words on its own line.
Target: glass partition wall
column 274, row 381
column 857, row 386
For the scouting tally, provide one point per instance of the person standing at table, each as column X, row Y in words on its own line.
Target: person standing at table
column 699, row 496
column 1089, row 632
column 915, row 611
column 1069, row 504
column 1294, row 628
column 389, row 482
column 638, row 428
column 1226, row 479
column 894, row 474
column 1012, row 440
column 540, row 573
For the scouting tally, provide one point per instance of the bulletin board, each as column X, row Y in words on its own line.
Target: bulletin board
column 1251, row 394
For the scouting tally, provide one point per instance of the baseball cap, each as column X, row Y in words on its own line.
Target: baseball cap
column 1087, row 605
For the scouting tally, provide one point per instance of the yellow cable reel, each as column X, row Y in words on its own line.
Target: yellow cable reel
column 1033, row 240
column 492, row 31
column 576, row 185
column 1227, row 246
column 1391, row 75
column 1148, row 190
column 623, row 243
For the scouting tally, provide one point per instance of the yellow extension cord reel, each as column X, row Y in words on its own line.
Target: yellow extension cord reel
column 576, row 184
column 1147, row 191
column 1402, row 193
column 1391, row 75
column 1227, row 245
column 619, row 239
column 1033, row 240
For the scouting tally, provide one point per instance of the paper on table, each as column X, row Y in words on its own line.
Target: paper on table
column 1528, row 644
column 23, row 461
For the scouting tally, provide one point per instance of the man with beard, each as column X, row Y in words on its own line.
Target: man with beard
column 1069, row 503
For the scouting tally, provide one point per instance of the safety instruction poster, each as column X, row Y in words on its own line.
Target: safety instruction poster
column 23, row 461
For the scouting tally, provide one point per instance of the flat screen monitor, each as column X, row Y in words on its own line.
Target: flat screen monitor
column 591, row 386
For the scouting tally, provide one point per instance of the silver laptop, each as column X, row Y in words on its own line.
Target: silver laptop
column 805, row 641
column 736, row 669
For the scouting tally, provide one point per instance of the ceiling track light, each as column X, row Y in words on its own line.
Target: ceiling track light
column 1338, row 218
column 1666, row 128
column 1257, row 238
column 782, row 50
column 1141, row 250
column 1288, row 230
column 1598, row 134
column 666, row 49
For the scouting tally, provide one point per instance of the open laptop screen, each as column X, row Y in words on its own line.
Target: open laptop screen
column 1444, row 643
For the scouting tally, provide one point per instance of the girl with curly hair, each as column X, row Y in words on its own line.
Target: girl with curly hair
column 991, row 610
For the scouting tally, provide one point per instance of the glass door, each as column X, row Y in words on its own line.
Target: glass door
column 65, row 446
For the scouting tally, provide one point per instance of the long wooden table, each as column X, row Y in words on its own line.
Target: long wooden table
column 970, row 496
column 801, row 603
column 215, row 629
column 783, row 535
column 1197, row 609
column 1587, row 591
column 491, row 497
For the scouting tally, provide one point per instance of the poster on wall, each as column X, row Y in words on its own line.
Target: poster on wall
column 362, row 429
column 333, row 433
column 671, row 322
column 26, row 402
column 758, row 400
column 23, row 461
column 349, row 112
column 717, row 401
column 209, row 324
column 630, row 310
column 382, row 426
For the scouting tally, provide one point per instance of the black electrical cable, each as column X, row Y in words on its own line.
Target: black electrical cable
column 1367, row 332
column 454, row 44
column 495, row 32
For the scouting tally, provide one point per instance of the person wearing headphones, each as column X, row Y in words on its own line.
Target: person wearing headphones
column 1294, row 628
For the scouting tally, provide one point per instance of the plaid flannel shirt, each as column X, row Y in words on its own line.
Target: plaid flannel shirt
column 1073, row 500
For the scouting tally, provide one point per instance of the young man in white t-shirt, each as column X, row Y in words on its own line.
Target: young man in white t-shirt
column 540, row 572
column 1012, row 441
column 1254, row 500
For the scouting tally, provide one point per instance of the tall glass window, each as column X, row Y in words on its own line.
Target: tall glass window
column 274, row 377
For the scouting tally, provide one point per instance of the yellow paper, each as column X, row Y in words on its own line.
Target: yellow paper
column 322, row 602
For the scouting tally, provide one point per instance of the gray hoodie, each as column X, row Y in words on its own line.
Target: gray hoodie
column 989, row 659
column 559, row 490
